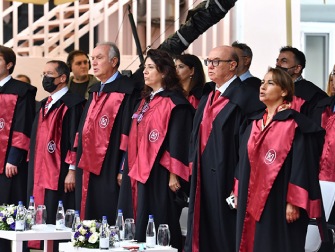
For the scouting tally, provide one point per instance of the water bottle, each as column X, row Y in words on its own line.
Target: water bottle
column 31, row 213
column 150, row 238
column 104, row 234
column 20, row 218
column 76, row 221
column 120, row 224
column 60, row 216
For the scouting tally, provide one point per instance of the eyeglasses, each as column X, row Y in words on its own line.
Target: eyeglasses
column 215, row 63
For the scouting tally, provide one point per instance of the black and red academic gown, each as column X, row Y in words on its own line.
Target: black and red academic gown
column 306, row 96
column 325, row 116
column 51, row 152
column 158, row 146
column 103, row 139
column 214, row 156
column 17, row 103
column 278, row 165
column 195, row 96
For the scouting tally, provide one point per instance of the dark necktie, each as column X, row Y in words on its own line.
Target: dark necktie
column 101, row 87
column 47, row 105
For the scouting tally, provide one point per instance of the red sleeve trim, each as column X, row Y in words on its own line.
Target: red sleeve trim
column 190, row 166
column 75, row 144
column 124, row 142
column 20, row 140
column 299, row 197
column 71, row 157
column 175, row 166
column 235, row 187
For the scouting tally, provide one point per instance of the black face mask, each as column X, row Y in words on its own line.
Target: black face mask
column 285, row 68
column 48, row 84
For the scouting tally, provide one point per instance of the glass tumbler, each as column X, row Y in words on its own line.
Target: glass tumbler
column 114, row 237
column 41, row 215
column 163, row 235
column 69, row 216
column 129, row 229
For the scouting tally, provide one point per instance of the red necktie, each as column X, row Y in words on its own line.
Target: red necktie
column 47, row 105
column 216, row 95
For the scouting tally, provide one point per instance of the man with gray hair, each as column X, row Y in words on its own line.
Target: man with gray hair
column 103, row 133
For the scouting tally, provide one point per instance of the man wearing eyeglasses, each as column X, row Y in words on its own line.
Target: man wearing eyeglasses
column 214, row 153
column 306, row 93
column 52, row 157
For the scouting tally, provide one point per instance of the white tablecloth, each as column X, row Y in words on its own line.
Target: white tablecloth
column 67, row 247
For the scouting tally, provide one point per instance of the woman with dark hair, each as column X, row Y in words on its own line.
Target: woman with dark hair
column 157, row 156
column 192, row 77
column 277, row 175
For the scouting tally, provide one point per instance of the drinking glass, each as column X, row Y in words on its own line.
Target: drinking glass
column 114, row 237
column 69, row 216
column 163, row 235
column 129, row 229
column 41, row 214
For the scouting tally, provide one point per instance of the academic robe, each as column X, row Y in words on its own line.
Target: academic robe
column 17, row 103
column 158, row 146
column 278, row 165
column 253, row 82
column 102, row 141
column 306, row 96
column 195, row 96
column 51, row 152
column 214, row 156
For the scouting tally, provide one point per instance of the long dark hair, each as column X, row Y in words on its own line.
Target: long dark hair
column 165, row 65
column 192, row 61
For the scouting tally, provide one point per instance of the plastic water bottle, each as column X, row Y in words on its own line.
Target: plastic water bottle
column 31, row 213
column 104, row 234
column 76, row 221
column 60, row 216
column 20, row 218
column 120, row 223
column 150, row 239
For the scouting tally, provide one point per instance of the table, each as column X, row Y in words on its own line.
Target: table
column 67, row 247
column 48, row 234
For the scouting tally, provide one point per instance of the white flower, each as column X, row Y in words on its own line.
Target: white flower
column 81, row 238
column 93, row 229
column 88, row 223
column 82, row 230
column 93, row 238
column 10, row 220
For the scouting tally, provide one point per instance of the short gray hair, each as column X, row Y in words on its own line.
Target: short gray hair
column 113, row 51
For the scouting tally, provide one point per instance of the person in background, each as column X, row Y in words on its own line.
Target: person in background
column 192, row 77
column 306, row 94
column 103, row 135
column 244, row 53
column 157, row 156
column 275, row 147
column 331, row 83
column 80, row 81
column 23, row 77
column 218, row 123
column 17, row 102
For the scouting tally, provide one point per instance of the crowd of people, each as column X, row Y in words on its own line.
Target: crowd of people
column 244, row 154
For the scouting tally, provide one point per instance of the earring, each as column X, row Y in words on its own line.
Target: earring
column 162, row 76
column 191, row 76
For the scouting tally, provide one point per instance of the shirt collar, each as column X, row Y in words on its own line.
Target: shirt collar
column 299, row 78
column 153, row 93
column 4, row 81
column 112, row 78
column 56, row 96
column 245, row 75
column 225, row 85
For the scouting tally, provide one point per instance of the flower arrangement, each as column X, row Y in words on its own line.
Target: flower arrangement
column 7, row 217
column 86, row 234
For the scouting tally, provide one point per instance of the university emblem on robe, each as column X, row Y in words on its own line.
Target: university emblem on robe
column 153, row 135
column 2, row 124
column 104, row 120
column 270, row 156
column 51, row 146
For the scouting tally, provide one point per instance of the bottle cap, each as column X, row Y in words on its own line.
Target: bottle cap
column 119, row 210
column 76, row 212
column 151, row 216
column 20, row 202
column 104, row 217
column 31, row 197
